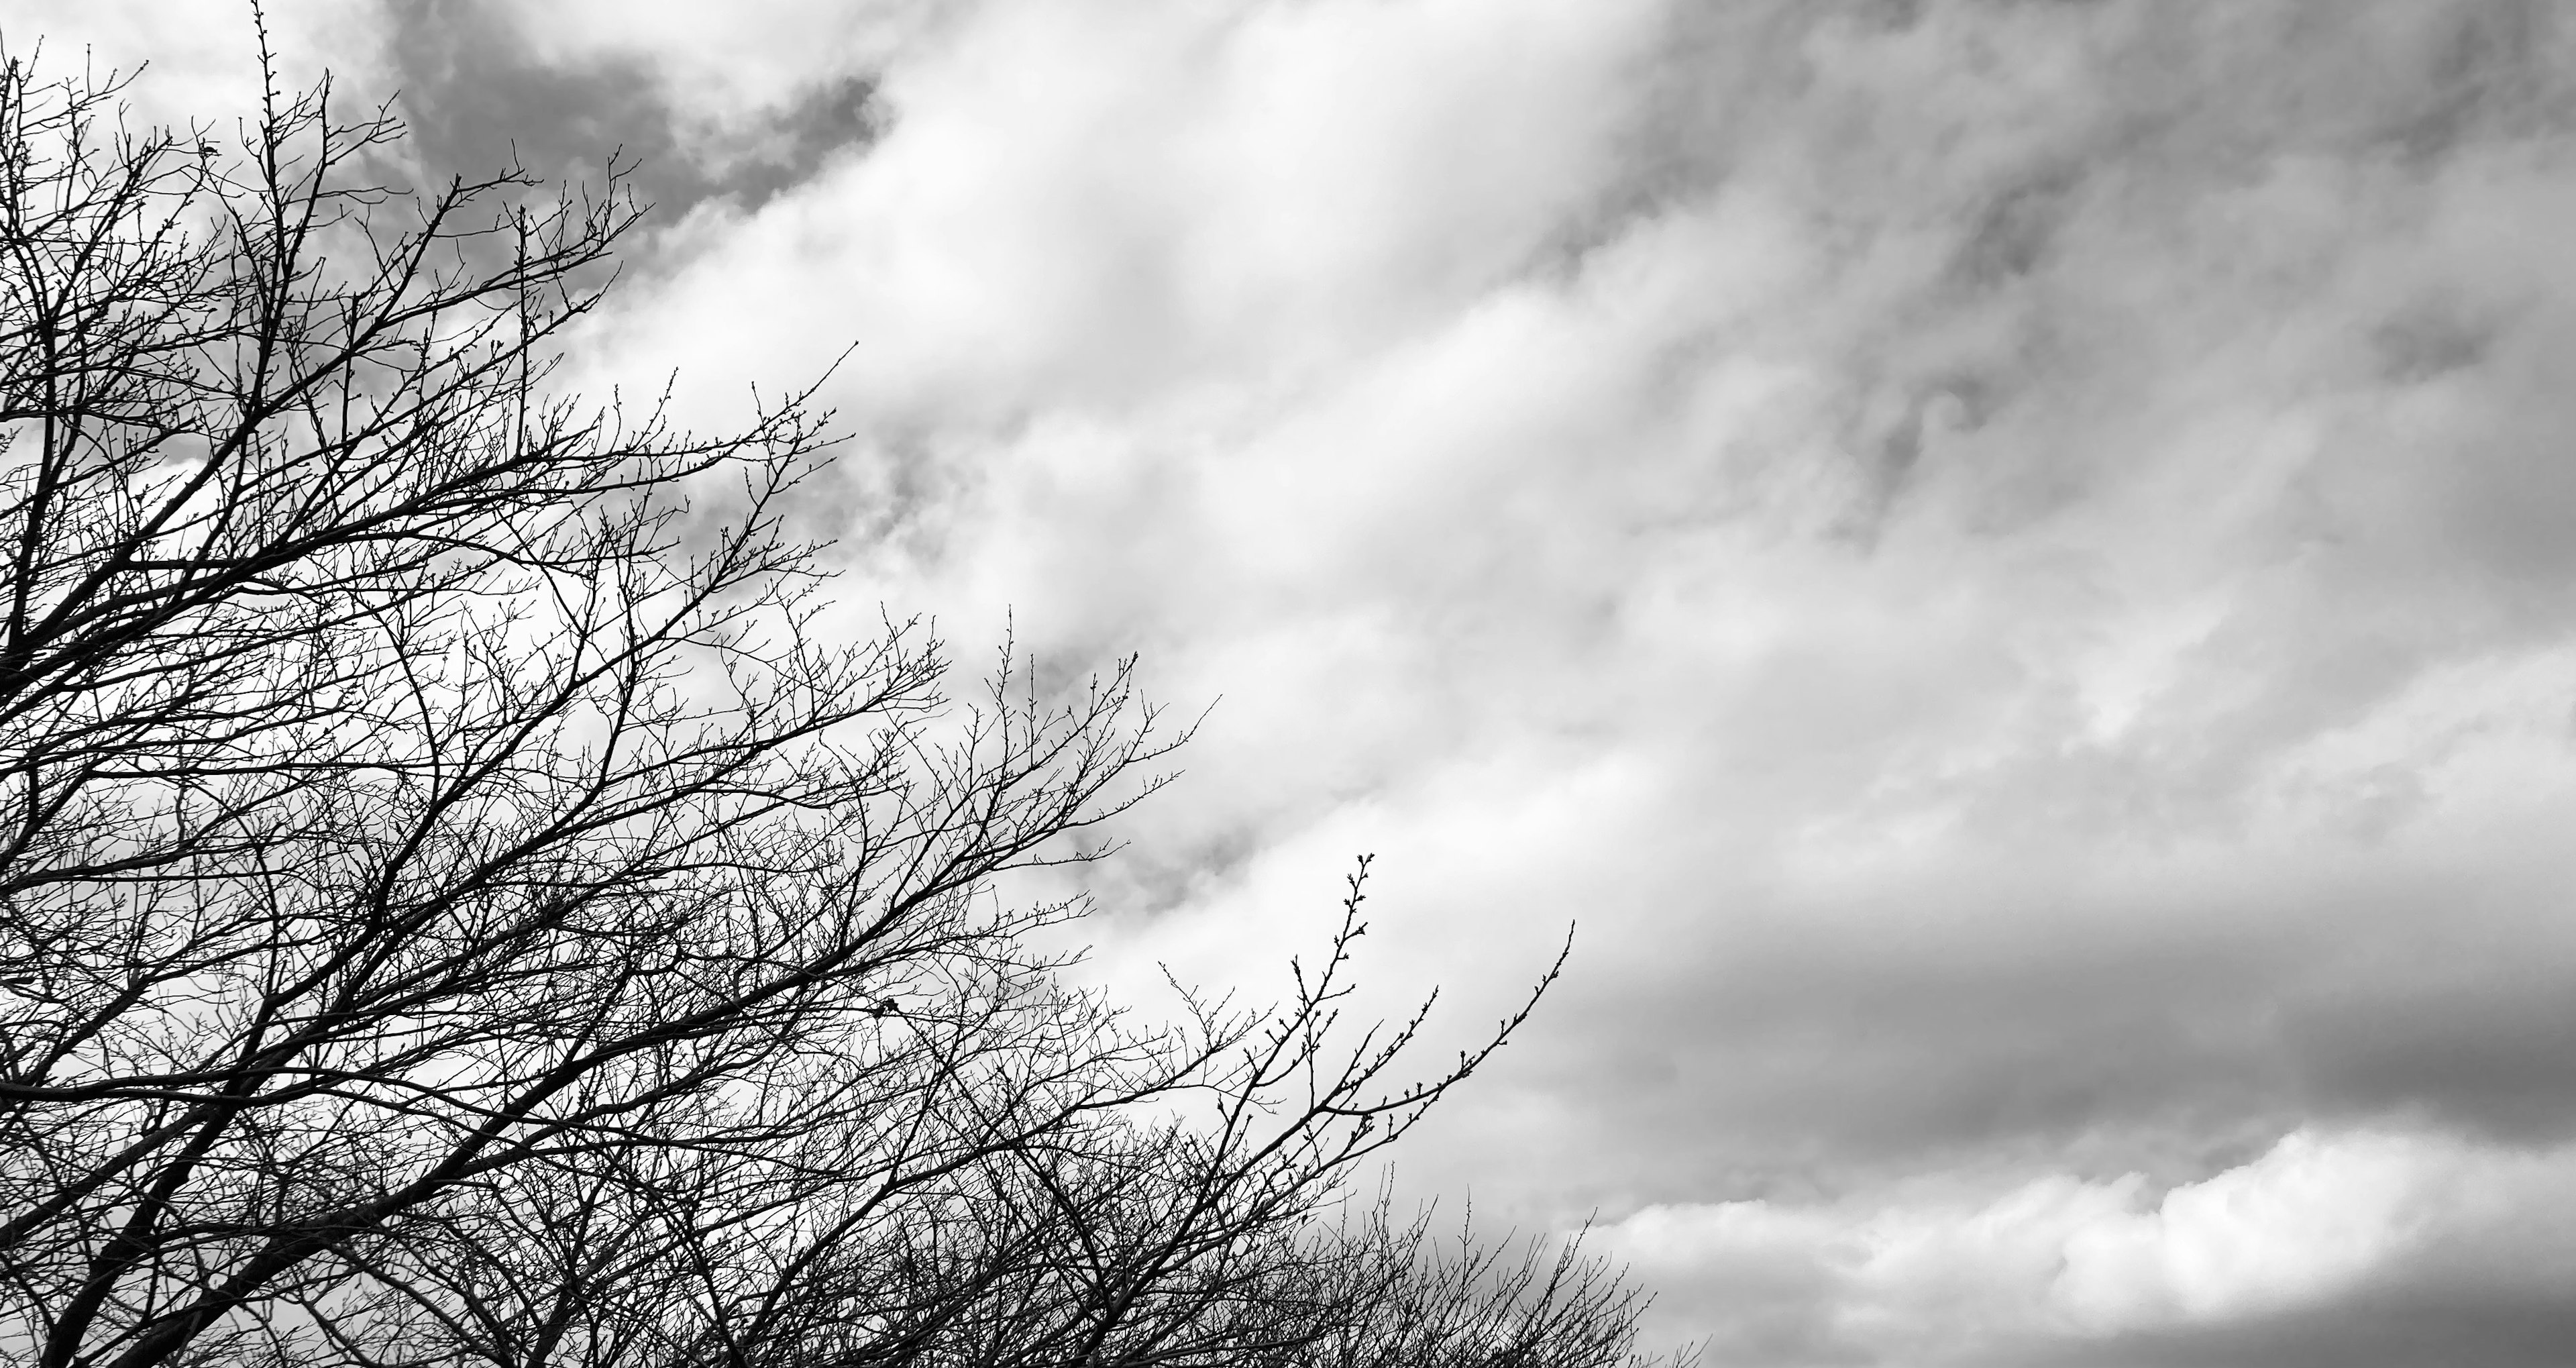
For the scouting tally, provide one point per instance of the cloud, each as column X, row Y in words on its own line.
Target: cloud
column 2000, row 560
column 1080, row 209
column 483, row 87
column 2005, row 562
column 204, row 62
column 2062, row 1269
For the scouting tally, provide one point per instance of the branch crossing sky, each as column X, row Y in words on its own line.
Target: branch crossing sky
column 2011, row 565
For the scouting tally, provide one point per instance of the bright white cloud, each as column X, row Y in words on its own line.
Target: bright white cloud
column 1927, row 1276
column 204, row 61
column 1078, row 209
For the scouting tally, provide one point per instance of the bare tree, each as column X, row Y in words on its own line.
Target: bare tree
column 456, row 908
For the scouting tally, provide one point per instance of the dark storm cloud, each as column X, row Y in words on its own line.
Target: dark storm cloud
column 2402, row 1328
column 1994, row 1025
column 477, row 93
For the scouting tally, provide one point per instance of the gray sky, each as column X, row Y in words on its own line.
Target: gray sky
column 2012, row 566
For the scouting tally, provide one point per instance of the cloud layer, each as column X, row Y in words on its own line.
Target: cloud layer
column 2009, row 565
column 2255, row 1264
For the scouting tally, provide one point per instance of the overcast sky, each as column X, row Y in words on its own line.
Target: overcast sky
column 2011, row 566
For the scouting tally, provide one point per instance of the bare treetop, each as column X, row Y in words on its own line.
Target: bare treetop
column 455, row 909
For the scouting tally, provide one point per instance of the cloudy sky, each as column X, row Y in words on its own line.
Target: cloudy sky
column 2011, row 567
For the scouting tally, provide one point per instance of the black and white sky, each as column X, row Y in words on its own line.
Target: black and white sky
column 2010, row 565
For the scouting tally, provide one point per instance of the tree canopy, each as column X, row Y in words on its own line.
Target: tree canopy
column 457, row 906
